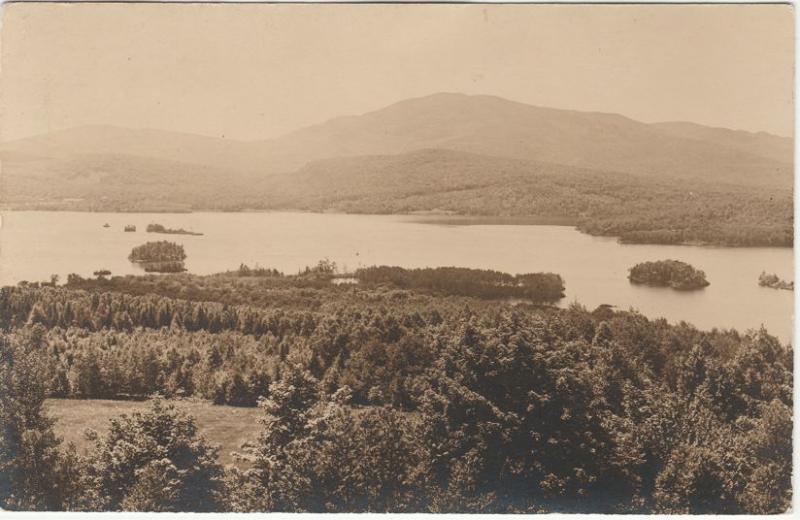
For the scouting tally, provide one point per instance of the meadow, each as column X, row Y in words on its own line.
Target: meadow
column 225, row 426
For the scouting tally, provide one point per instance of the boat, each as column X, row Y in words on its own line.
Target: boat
column 106, row 225
column 130, row 228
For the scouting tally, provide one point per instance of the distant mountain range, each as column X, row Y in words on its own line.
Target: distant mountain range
column 485, row 125
column 439, row 152
column 497, row 127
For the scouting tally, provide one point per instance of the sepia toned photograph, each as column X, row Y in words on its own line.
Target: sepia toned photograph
column 396, row 258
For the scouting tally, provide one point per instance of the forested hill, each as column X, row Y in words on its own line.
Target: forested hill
column 601, row 203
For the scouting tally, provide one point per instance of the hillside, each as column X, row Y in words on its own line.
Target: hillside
column 602, row 203
column 773, row 147
column 427, row 179
column 87, row 141
column 116, row 182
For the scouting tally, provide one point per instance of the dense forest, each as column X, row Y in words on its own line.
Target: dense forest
column 386, row 396
column 668, row 273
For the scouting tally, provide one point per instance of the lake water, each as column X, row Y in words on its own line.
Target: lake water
column 34, row 245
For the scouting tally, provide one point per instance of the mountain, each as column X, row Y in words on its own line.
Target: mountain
column 497, row 127
column 107, row 167
column 480, row 124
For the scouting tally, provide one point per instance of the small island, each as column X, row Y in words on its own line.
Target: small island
column 130, row 228
column 159, row 257
column 774, row 282
column 668, row 273
column 158, row 228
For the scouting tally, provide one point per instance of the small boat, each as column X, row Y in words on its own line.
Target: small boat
column 130, row 228
column 106, row 225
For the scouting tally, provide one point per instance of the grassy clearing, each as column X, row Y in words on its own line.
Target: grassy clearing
column 227, row 426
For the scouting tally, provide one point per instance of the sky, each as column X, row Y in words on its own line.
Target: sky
column 257, row 71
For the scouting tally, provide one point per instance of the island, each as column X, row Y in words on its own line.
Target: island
column 159, row 257
column 774, row 282
column 130, row 228
column 668, row 273
column 158, row 228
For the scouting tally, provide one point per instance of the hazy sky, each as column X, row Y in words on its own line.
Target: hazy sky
column 256, row 71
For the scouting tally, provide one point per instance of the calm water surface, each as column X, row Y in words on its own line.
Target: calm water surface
column 34, row 245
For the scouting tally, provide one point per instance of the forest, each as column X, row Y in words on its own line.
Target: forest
column 386, row 396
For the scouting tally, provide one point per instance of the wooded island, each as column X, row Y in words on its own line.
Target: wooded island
column 668, row 273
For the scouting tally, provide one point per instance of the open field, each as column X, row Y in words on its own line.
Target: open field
column 226, row 426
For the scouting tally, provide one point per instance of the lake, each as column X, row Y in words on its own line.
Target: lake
column 34, row 245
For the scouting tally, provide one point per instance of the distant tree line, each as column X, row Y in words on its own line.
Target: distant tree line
column 478, row 283
column 247, row 271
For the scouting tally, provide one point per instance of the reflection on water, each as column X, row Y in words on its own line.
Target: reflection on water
column 34, row 245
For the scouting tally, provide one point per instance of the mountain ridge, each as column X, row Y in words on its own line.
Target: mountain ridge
column 484, row 124
column 37, row 169
column 494, row 126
